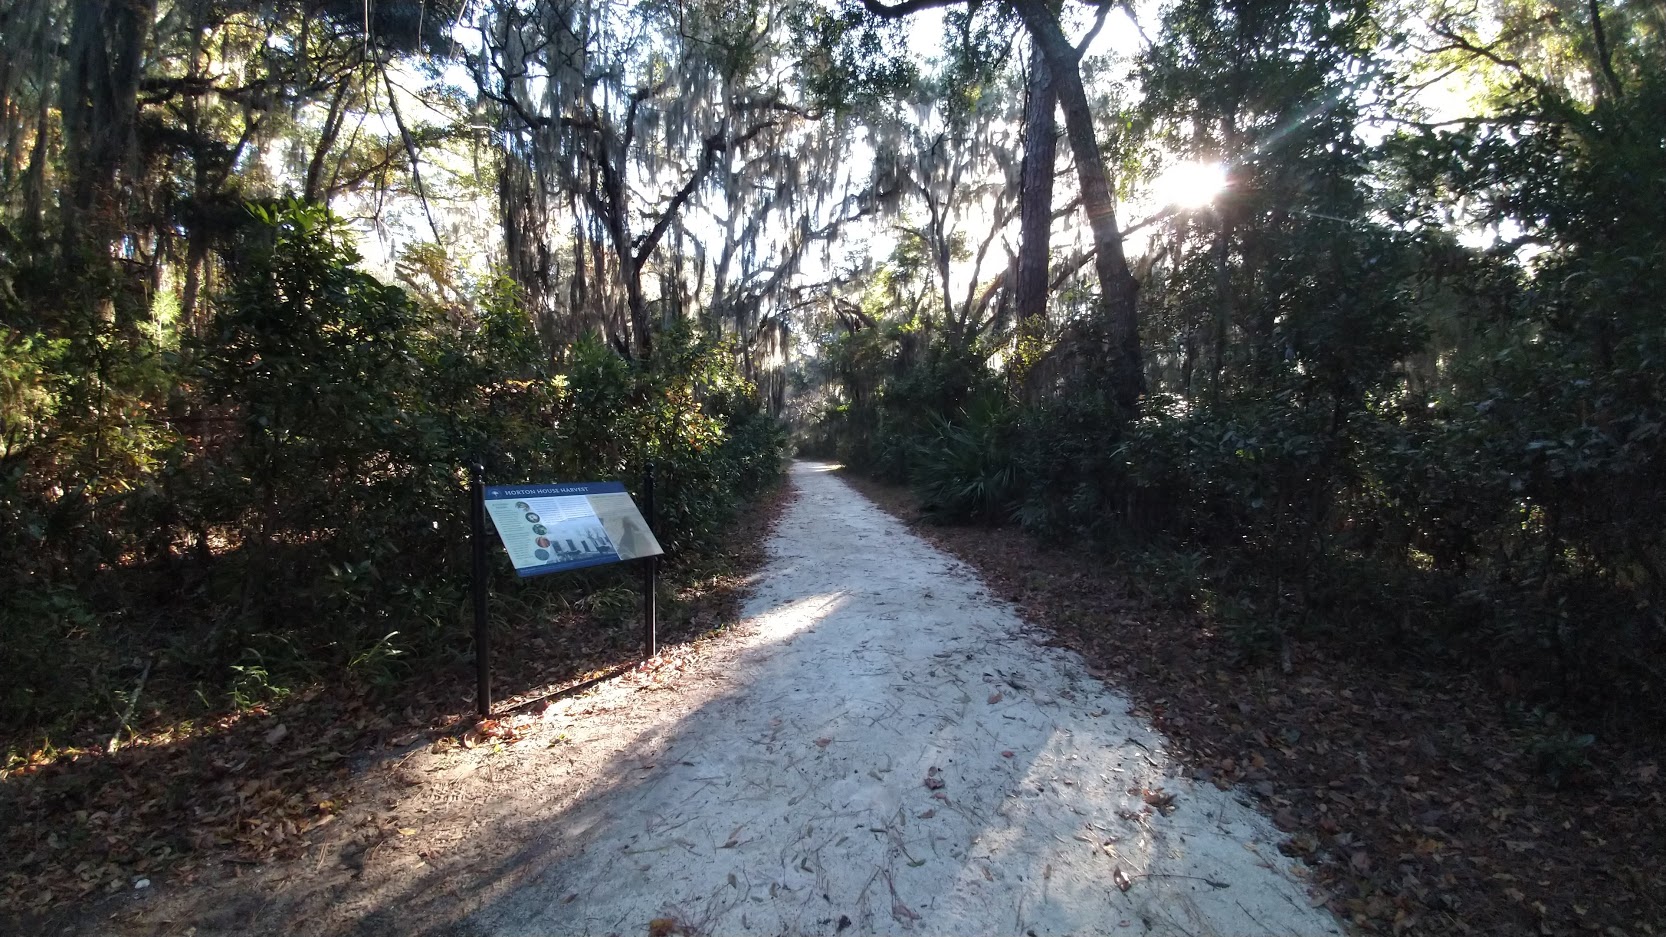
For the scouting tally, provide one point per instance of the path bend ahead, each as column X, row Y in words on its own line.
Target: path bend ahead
column 891, row 751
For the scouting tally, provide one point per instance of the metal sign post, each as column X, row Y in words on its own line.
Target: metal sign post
column 650, row 569
column 482, row 635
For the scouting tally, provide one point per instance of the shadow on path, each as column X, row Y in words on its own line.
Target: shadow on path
column 881, row 749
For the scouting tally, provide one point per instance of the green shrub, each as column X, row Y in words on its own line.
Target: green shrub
column 964, row 470
column 284, row 496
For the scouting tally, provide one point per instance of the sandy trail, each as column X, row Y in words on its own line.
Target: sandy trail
column 883, row 748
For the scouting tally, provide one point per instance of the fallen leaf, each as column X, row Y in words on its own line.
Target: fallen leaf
column 1302, row 844
column 1159, row 799
column 1121, row 879
column 734, row 838
column 927, row 814
column 994, row 698
column 823, row 743
column 1006, row 754
column 662, row 927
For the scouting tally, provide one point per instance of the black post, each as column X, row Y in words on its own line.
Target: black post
column 477, row 540
column 650, row 611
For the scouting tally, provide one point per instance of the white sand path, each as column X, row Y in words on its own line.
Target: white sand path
column 885, row 748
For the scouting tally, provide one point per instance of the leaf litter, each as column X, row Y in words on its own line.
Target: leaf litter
column 183, row 802
column 1402, row 790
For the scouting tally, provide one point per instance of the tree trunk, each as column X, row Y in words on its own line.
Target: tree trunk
column 578, row 290
column 1223, row 308
column 196, row 259
column 642, row 337
column 100, row 112
column 1117, row 287
column 938, row 244
column 34, row 179
column 312, row 189
column 1036, row 191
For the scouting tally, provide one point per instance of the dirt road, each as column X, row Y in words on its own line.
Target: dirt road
column 891, row 752
column 878, row 747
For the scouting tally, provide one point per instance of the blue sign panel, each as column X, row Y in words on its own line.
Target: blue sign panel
column 551, row 528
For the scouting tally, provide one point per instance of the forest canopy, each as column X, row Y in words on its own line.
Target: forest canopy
column 1352, row 304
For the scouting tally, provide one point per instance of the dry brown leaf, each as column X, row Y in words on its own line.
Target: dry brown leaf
column 1121, row 879
column 1160, row 800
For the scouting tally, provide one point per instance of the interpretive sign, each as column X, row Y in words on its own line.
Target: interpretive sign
column 552, row 528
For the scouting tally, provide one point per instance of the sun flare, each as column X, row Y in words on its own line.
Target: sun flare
column 1190, row 184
